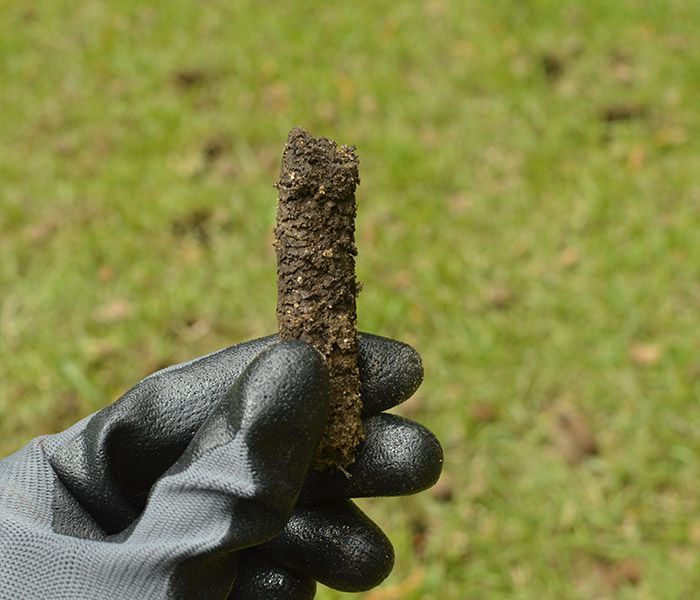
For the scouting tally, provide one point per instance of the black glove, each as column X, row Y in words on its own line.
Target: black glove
column 165, row 493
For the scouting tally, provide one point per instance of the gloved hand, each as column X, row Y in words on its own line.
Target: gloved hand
column 195, row 483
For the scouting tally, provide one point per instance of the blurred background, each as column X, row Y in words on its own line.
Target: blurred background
column 529, row 221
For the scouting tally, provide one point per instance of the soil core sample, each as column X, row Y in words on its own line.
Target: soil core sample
column 316, row 285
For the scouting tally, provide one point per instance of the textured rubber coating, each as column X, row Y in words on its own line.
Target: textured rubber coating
column 399, row 457
column 336, row 544
column 260, row 578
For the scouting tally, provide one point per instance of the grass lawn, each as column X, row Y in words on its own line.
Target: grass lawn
column 529, row 220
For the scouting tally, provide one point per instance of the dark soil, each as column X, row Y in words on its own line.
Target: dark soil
column 315, row 244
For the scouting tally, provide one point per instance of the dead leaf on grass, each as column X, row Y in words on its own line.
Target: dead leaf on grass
column 597, row 577
column 195, row 329
column 627, row 571
column 402, row 279
column 621, row 68
column 275, row 96
column 645, row 354
column 190, row 77
column 411, row 407
column 459, row 203
column 443, row 490
column 573, row 435
column 569, row 257
column 196, row 222
column 105, row 273
column 553, row 65
column 623, row 112
column 499, row 296
column 636, row 158
column 41, row 230
column 113, row 311
column 419, row 530
column 215, row 147
column 483, row 412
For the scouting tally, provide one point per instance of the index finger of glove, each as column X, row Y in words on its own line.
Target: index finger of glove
column 390, row 372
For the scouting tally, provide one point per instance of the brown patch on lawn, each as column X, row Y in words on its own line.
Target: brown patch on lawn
column 196, row 222
column 191, row 77
column 553, row 65
column 443, row 491
column 483, row 412
column 626, row 111
column 113, row 311
column 573, row 435
column 645, row 354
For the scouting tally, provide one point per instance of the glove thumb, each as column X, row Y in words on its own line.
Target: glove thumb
column 236, row 483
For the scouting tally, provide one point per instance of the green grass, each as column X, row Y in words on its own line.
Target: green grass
column 542, row 258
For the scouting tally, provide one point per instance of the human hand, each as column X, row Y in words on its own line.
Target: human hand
column 163, row 493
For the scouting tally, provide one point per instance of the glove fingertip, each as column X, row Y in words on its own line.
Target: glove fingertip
column 390, row 372
column 336, row 544
column 260, row 578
